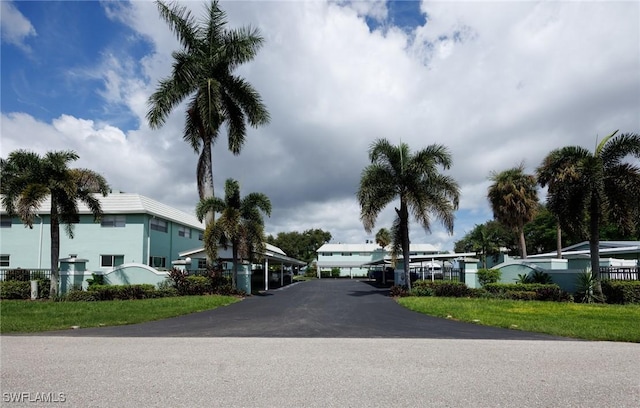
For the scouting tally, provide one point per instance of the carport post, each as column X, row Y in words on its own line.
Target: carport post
column 281, row 274
column 266, row 273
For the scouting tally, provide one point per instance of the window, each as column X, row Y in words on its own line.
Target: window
column 184, row 232
column 111, row 260
column 200, row 236
column 202, row 264
column 5, row 221
column 158, row 225
column 157, row 261
column 346, row 254
column 4, row 260
column 326, row 253
column 113, row 221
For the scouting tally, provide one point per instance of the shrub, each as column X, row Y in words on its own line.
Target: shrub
column 96, row 279
column 335, row 272
column 122, row 292
column 486, row 276
column 543, row 291
column 80, row 296
column 20, row 275
column 443, row 288
column 479, row 293
column 540, row 277
column 421, row 290
column 621, row 292
column 15, row 289
column 398, row 291
column 196, row 285
column 587, row 289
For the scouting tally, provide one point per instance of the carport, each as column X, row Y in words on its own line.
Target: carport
column 271, row 256
column 418, row 262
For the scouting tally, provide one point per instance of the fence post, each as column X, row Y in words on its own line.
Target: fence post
column 34, row 289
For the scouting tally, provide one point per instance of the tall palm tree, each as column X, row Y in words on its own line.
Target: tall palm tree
column 484, row 241
column 587, row 190
column 27, row 179
column 514, row 200
column 395, row 172
column 203, row 74
column 240, row 223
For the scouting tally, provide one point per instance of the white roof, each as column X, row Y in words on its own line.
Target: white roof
column 372, row 247
column 128, row 203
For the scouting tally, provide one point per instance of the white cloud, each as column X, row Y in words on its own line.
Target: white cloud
column 497, row 83
column 15, row 27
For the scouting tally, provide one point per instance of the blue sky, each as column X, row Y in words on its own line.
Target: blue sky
column 498, row 83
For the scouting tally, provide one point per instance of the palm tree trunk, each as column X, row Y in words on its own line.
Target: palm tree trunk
column 55, row 249
column 404, row 231
column 559, row 241
column 205, row 181
column 234, row 276
column 594, row 243
column 523, row 245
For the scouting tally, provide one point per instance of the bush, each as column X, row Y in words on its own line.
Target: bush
column 15, row 289
column 486, row 276
column 443, row 288
column 518, row 295
column 122, row 292
column 196, row 285
column 543, row 291
column 20, row 275
column 479, row 293
column 421, row 290
column 621, row 292
column 335, row 272
column 96, row 279
column 399, row 291
column 80, row 296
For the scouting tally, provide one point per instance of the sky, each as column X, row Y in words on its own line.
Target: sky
column 498, row 83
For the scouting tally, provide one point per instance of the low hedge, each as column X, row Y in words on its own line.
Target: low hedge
column 621, row 292
column 123, row 292
column 543, row 291
column 440, row 288
column 15, row 289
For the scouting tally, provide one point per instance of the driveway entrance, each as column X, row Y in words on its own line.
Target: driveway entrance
column 329, row 308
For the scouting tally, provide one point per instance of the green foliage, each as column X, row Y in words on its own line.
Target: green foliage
column 96, row 279
column 513, row 196
column 544, row 292
column 399, row 291
column 15, row 289
column 122, row 292
column 486, row 276
column 587, row 288
column 534, row 277
column 487, row 240
column 441, row 288
column 335, row 272
column 197, row 285
column 79, row 296
column 301, row 246
column 621, row 292
column 311, row 271
column 413, row 177
column 21, row 275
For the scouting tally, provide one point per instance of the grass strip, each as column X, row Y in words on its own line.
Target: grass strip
column 575, row 320
column 20, row 316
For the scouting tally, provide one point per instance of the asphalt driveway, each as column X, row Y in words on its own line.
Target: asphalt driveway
column 326, row 308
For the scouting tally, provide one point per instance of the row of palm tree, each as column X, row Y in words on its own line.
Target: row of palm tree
column 586, row 190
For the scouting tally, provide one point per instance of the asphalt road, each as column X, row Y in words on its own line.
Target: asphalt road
column 327, row 308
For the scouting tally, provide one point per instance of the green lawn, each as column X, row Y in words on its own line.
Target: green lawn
column 582, row 321
column 20, row 316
